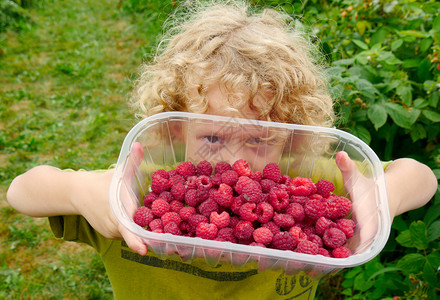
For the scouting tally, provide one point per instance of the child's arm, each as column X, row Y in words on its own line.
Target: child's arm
column 47, row 191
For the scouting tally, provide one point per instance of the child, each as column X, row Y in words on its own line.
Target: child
column 222, row 61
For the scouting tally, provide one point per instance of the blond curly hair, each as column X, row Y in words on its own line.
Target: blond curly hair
column 233, row 44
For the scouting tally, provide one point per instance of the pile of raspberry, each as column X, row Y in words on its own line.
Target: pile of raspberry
column 231, row 203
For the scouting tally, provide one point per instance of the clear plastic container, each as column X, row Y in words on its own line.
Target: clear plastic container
column 307, row 151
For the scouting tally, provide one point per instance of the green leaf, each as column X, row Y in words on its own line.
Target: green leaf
column 434, row 258
column 360, row 44
column 413, row 33
column 434, row 99
column 361, row 284
column 399, row 115
column 377, row 115
column 379, row 36
column 419, row 234
column 436, row 23
column 362, row 133
column 418, row 132
column 404, row 239
column 412, row 262
column 384, row 270
column 396, row 44
column 366, row 88
column 405, row 93
column 434, row 231
column 420, row 103
column 411, row 63
column 362, row 26
column 429, row 274
column 425, row 44
column 432, row 115
column 432, row 214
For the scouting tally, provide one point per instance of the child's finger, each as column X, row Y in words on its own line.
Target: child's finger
column 133, row 242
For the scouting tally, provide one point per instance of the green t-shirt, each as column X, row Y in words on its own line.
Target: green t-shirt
column 133, row 276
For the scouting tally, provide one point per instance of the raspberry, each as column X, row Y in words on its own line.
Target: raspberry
column 176, row 205
column 159, row 207
column 315, row 209
column 178, row 191
column 283, row 220
column 172, row 173
column 236, row 203
column 204, row 168
column 284, row 241
column 299, row 199
column 191, row 183
column 263, row 235
column 243, row 230
column 234, row 220
column 186, row 169
column 256, row 176
column 196, row 219
column 337, row 207
column 170, row 217
column 315, row 239
column 204, row 182
column 186, row 211
column 143, row 216
column 247, row 212
column 242, row 168
column 206, row 231
column 267, row 185
column 167, row 196
column 334, row 238
column 322, row 224
column 150, row 197
column 220, row 220
column 172, row 228
column 278, row 198
column 191, row 198
column 159, row 184
column 272, row 171
column 241, row 183
column 323, row 252
column 298, row 234
column 203, row 194
column 252, row 192
column 341, row 252
column 184, row 227
column 155, row 224
column 161, row 173
column 229, row 177
column 216, row 179
column 307, row 247
column 347, row 226
column 207, row 207
column 285, row 179
column 324, row 188
column 300, row 186
column 222, row 166
column 223, row 196
column 226, row 235
column 272, row 226
column 296, row 210
column 257, row 244
column 264, row 212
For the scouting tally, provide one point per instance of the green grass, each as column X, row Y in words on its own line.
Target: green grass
column 65, row 79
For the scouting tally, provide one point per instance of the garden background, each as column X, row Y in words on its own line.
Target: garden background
column 66, row 70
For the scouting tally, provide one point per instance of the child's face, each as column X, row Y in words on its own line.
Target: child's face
column 229, row 141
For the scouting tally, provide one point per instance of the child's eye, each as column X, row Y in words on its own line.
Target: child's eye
column 254, row 141
column 212, row 139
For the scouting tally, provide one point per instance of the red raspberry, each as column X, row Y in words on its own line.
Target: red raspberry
column 347, row 226
column 176, row 205
column 315, row 209
column 334, row 237
column 284, row 241
column 324, row 188
column 159, row 184
column 172, row 228
column 300, row 186
column 220, row 220
column 178, row 191
column 243, row 230
column 170, row 217
column 234, row 220
column 296, row 210
column 191, row 183
column 206, row 231
column 257, row 244
column 192, row 198
column 222, row 166
column 150, row 197
column 264, row 212
column 167, row 196
column 283, row 220
column 159, row 207
column 204, row 182
column 309, row 230
column 337, row 207
column 204, row 168
column 203, row 194
column 278, row 198
column 299, row 199
column 285, row 179
column 272, row 226
column 323, row 252
column 267, row 185
column 236, row 203
column 242, row 168
column 272, row 171
column 172, row 173
column 161, row 173
column 341, row 252
column 263, row 235
column 315, row 239
column 226, row 235
column 252, row 192
column 223, row 196
column 216, row 179
column 241, row 183
column 143, row 216
column 229, row 177
column 307, row 247
column 207, row 207
column 298, row 234
column 322, row 224
column 186, row 169
column 184, row 227
column 196, row 219
column 247, row 212
column 155, row 224
column 256, row 176
column 186, row 211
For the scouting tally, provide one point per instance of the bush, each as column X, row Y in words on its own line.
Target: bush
column 13, row 14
